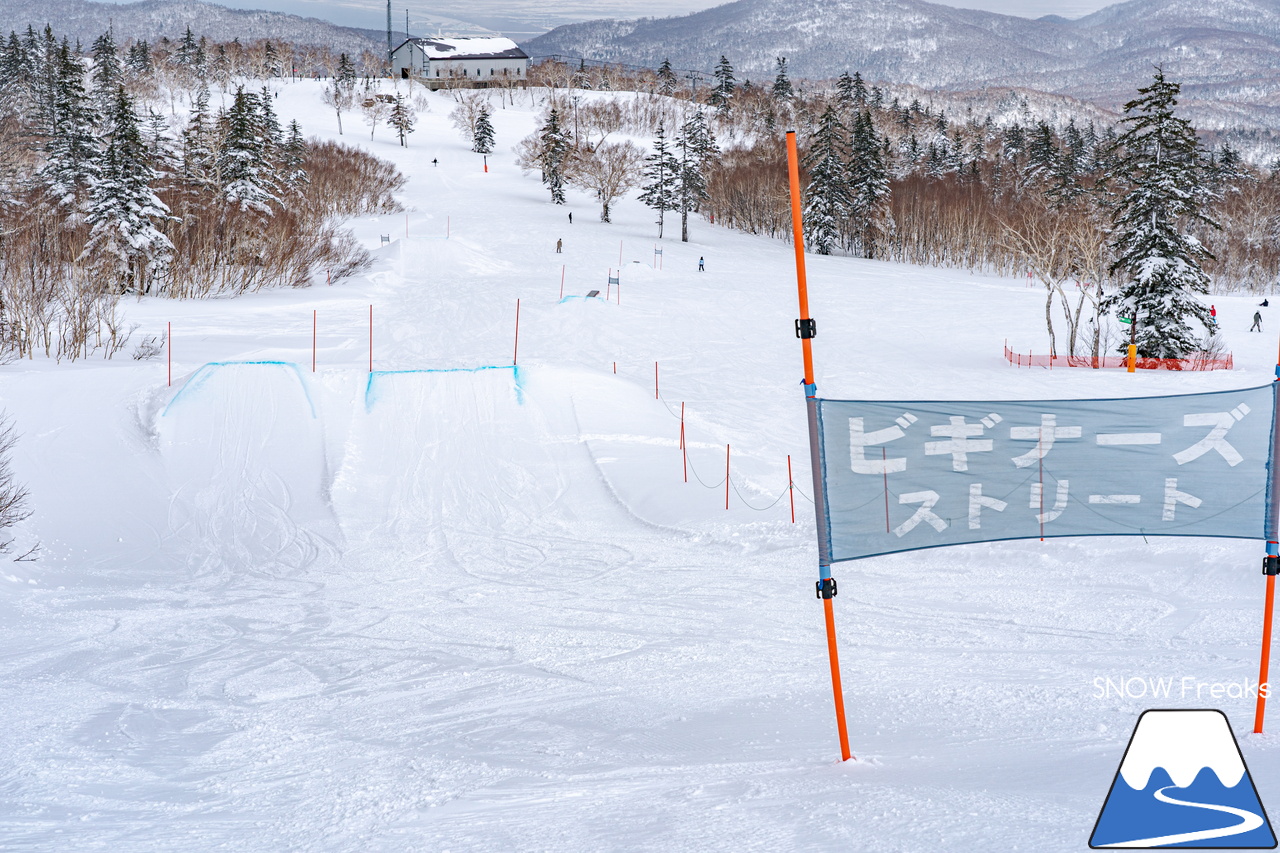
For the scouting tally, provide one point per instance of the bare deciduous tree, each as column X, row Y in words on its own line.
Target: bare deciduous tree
column 609, row 170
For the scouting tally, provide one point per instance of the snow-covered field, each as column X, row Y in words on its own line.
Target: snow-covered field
column 458, row 606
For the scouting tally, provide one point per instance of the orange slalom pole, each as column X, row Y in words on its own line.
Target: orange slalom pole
column 1270, row 566
column 1265, row 666
column 805, row 329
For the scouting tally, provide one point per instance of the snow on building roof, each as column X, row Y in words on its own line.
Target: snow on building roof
column 469, row 48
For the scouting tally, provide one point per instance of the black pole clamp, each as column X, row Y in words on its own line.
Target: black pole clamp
column 826, row 588
column 806, row 328
column 1271, row 565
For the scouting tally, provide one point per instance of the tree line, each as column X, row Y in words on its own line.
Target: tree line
column 103, row 195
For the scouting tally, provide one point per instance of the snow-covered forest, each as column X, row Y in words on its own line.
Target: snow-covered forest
column 160, row 170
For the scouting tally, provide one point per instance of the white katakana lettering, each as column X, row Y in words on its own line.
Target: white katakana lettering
column 961, row 440
column 1173, row 497
column 977, row 501
column 1044, row 436
column 927, row 500
column 1216, row 439
column 860, row 440
column 1059, row 503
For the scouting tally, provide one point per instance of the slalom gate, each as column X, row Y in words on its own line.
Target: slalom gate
column 900, row 476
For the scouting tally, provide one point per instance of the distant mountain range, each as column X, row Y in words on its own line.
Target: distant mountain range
column 156, row 19
column 1226, row 53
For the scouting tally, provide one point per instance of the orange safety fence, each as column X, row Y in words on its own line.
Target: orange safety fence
column 1197, row 361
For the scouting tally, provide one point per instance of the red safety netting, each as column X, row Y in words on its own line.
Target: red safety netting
column 1197, row 361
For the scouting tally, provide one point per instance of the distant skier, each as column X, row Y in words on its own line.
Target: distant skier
column 1213, row 314
column 559, row 244
column 571, row 217
column 1257, row 322
column 435, row 162
column 702, row 265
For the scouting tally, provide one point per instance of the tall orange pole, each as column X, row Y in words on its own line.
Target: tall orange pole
column 1270, row 568
column 805, row 330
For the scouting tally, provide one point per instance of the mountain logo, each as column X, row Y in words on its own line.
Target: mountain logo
column 1183, row 783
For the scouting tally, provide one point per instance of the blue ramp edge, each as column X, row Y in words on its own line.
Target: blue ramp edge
column 202, row 374
column 371, row 390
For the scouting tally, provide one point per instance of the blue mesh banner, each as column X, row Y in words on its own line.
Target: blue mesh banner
column 901, row 476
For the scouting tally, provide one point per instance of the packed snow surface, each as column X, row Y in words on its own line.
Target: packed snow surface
column 452, row 603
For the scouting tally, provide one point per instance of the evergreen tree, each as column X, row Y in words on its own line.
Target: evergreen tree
column 661, row 173
column 781, row 83
column 346, row 73
column 697, row 145
column 554, row 150
column 71, row 149
column 186, row 52
column 826, row 201
column 402, row 119
column 1157, row 259
column 482, row 142
column 293, row 155
column 1042, row 154
column 198, row 170
column 667, row 81
column 124, row 241
column 868, row 186
column 138, row 58
column 105, row 73
column 722, row 94
column 244, row 171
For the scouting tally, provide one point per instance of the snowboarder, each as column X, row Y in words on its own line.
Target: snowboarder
column 1213, row 314
column 1264, row 303
column 702, row 267
column 559, row 243
column 435, row 162
column 1257, row 322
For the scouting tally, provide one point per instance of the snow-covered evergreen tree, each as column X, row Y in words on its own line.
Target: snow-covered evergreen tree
column 482, row 142
column 402, row 119
column 1158, row 259
column 243, row 165
column 781, row 82
column 697, row 146
column 868, row 187
column 293, row 156
column 667, row 81
column 105, row 73
column 125, row 243
column 826, row 198
column 661, row 174
column 71, row 147
column 198, row 171
column 722, row 93
column 554, row 148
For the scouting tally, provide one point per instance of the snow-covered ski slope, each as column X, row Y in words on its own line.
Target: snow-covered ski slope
column 459, row 605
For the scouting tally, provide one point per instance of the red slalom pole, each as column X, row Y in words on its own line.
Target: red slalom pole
column 516, row 351
column 655, row 380
column 562, row 281
column 791, row 489
column 726, row 476
column 805, row 328
column 371, row 339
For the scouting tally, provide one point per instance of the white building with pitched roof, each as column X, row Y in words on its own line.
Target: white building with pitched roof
column 438, row 59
